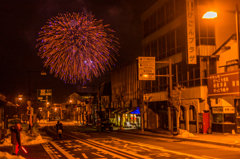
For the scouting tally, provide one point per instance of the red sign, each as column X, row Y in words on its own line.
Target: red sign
column 223, row 84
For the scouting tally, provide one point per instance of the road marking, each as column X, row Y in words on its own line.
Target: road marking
column 210, row 157
column 102, row 150
column 97, row 154
column 84, row 155
column 62, row 151
column 131, row 153
column 49, row 151
column 162, row 149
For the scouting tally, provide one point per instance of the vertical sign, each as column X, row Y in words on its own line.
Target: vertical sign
column 146, row 68
column 191, row 37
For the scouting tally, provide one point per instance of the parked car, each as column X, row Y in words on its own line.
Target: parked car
column 105, row 124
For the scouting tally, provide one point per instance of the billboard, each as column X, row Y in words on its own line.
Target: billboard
column 223, row 84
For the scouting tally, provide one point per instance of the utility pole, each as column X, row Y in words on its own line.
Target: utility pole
column 151, row 68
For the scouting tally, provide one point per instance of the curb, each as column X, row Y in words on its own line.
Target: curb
column 185, row 139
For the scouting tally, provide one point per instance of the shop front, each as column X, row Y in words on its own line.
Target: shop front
column 223, row 119
column 223, row 89
column 135, row 118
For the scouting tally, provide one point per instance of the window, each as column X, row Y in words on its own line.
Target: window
column 169, row 11
column 146, row 28
column 170, row 38
column 153, row 22
column 205, row 32
column 212, row 66
column 162, row 47
column 147, row 50
column 161, row 17
column 154, row 48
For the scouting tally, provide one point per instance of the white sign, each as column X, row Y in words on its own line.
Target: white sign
column 191, row 35
column 146, row 68
column 225, row 110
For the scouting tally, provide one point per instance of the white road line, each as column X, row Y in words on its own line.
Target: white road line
column 163, row 149
column 84, row 155
column 62, row 151
column 49, row 152
column 209, row 157
column 97, row 154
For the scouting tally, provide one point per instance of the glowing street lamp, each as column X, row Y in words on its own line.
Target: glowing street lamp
column 210, row 15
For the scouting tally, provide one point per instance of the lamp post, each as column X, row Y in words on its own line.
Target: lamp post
column 212, row 15
column 30, row 112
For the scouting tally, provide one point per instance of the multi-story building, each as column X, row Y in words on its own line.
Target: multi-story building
column 125, row 94
column 175, row 29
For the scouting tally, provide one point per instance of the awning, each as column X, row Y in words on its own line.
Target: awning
column 129, row 111
column 122, row 111
column 116, row 111
column 137, row 111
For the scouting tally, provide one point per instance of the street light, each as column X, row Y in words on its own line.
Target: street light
column 212, row 15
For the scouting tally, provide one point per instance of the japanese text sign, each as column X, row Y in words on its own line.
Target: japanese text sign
column 223, row 84
column 146, row 68
column 191, row 38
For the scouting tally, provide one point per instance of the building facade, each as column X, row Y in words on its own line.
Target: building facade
column 125, row 95
column 175, row 29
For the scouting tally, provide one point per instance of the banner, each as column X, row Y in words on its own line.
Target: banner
column 191, row 35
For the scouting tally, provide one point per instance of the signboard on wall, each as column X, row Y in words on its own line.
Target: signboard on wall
column 225, row 110
column 191, row 35
column 146, row 68
column 223, row 84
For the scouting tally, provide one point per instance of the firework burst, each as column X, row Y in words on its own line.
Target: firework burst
column 77, row 47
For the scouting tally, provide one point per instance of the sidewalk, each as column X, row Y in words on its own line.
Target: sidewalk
column 214, row 138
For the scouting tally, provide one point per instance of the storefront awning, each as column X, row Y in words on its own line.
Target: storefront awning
column 137, row 111
column 116, row 111
column 129, row 111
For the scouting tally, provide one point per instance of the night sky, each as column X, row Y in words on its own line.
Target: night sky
column 21, row 20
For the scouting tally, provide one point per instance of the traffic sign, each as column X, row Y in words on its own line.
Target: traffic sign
column 44, row 95
column 146, row 68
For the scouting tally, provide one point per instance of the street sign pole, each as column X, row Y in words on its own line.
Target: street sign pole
column 146, row 71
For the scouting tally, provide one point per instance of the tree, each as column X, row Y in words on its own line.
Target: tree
column 144, row 102
column 176, row 102
column 119, row 96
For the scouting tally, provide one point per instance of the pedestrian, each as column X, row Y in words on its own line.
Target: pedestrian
column 59, row 129
column 16, row 138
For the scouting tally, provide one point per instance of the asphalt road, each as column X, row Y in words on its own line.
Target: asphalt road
column 87, row 143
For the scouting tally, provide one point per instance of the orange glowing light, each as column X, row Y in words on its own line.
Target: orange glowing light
column 210, row 15
column 145, row 75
